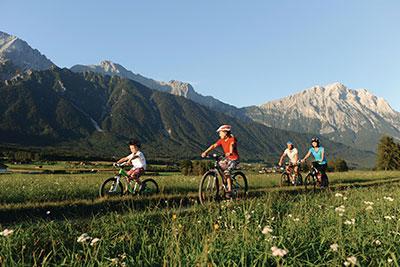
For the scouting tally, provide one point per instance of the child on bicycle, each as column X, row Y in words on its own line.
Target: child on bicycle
column 293, row 154
column 229, row 145
column 136, row 159
column 320, row 163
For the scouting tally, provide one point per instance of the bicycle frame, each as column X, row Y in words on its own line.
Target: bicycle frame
column 218, row 170
column 123, row 174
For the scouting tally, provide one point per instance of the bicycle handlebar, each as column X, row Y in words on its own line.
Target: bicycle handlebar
column 119, row 165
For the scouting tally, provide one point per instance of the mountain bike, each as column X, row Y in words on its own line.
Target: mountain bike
column 314, row 178
column 213, row 185
column 289, row 177
column 120, row 184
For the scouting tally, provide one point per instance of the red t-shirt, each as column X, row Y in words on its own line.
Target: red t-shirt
column 226, row 146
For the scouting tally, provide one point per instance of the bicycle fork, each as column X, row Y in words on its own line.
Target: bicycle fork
column 115, row 184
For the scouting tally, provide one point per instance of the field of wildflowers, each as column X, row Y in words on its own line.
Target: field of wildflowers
column 355, row 226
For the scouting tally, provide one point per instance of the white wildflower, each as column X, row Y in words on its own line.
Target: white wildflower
column 6, row 232
column 266, row 230
column 390, row 260
column 377, row 242
column 369, row 203
column 278, row 252
column 344, row 198
column 83, row 238
column 350, row 222
column 389, row 217
column 94, row 241
column 296, row 219
column 388, row 199
column 350, row 261
column 340, row 209
column 338, row 195
column 334, row 247
column 369, row 208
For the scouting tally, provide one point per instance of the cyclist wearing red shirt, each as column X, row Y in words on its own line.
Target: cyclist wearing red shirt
column 229, row 145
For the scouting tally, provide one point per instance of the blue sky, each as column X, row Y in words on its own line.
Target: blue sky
column 242, row 52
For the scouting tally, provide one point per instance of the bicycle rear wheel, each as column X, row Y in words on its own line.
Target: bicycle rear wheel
column 239, row 185
column 310, row 182
column 208, row 189
column 149, row 187
column 111, row 188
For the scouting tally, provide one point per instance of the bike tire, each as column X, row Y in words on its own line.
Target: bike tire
column 299, row 180
column 208, row 188
column 109, row 189
column 310, row 182
column 149, row 187
column 239, row 185
column 285, row 180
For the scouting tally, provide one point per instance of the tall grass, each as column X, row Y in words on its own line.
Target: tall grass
column 228, row 233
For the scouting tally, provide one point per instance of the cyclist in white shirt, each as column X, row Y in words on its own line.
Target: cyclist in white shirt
column 293, row 154
column 136, row 159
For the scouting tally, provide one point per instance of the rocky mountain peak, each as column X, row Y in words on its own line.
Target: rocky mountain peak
column 111, row 67
column 21, row 54
column 351, row 116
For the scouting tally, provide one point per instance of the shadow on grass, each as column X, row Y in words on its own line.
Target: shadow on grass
column 73, row 209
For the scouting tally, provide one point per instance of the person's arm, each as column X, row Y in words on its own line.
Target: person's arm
column 123, row 160
column 205, row 153
column 306, row 156
column 281, row 159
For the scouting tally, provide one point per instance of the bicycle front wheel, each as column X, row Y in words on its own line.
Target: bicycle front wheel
column 111, row 188
column 285, row 180
column 208, row 189
column 310, row 182
column 239, row 185
column 149, row 187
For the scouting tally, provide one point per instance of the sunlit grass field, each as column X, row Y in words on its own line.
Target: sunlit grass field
column 276, row 226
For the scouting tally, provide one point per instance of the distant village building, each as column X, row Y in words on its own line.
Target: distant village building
column 3, row 168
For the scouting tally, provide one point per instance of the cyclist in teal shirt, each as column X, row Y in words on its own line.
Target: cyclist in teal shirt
column 320, row 163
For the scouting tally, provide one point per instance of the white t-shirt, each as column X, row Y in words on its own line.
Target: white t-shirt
column 291, row 154
column 139, row 161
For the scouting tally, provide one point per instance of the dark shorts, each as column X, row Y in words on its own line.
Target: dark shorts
column 322, row 169
column 135, row 173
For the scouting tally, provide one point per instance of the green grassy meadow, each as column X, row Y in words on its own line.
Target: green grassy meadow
column 58, row 220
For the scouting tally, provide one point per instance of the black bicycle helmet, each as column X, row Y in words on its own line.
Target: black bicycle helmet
column 315, row 139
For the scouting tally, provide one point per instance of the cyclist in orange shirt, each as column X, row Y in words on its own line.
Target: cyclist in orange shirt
column 229, row 145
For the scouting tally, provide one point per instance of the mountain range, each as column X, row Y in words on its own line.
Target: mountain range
column 51, row 107
column 353, row 117
column 88, row 113
column 174, row 87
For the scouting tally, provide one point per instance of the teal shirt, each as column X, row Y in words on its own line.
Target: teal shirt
column 318, row 155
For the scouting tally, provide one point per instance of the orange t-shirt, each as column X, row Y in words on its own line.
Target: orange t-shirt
column 226, row 146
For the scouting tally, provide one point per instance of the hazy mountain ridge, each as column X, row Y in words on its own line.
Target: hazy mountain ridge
column 174, row 87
